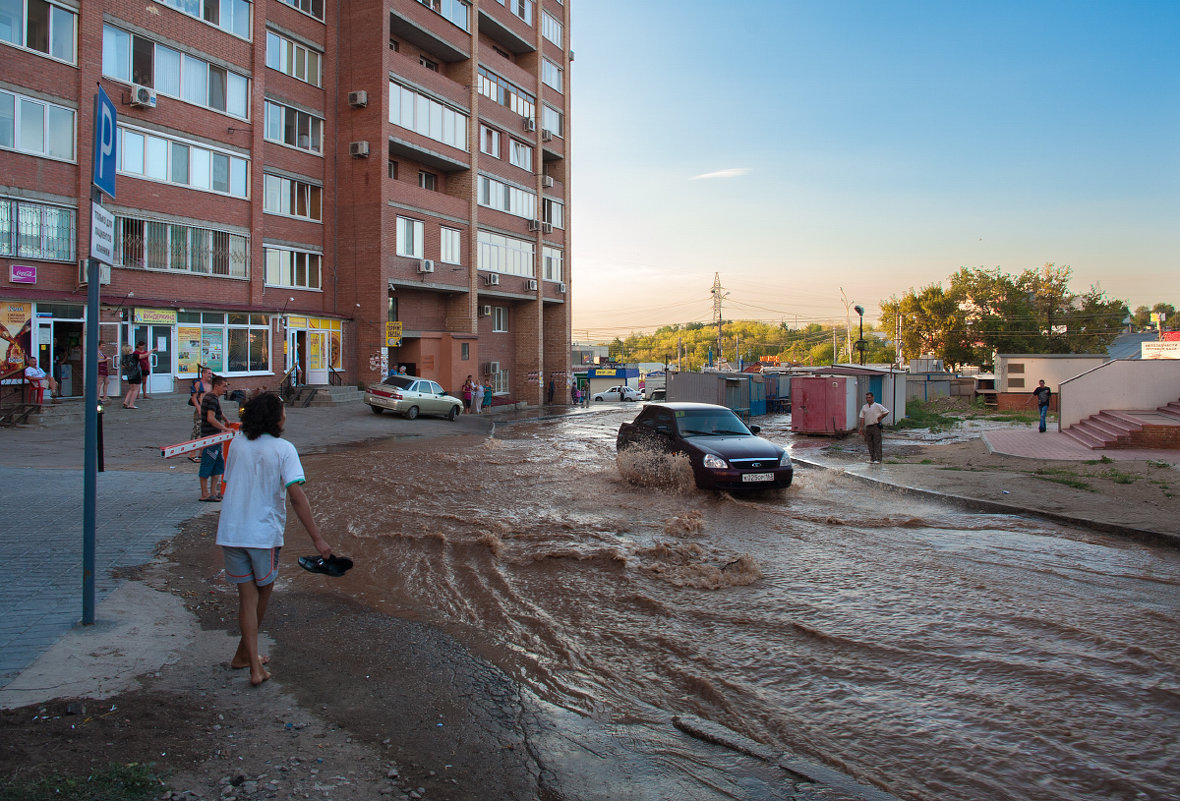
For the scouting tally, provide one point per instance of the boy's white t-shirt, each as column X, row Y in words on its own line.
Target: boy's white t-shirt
column 257, row 474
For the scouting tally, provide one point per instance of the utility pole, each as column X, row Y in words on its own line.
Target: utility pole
column 718, row 295
column 847, row 321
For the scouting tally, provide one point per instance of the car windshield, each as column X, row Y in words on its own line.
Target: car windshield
column 710, row 423
column 399, row 381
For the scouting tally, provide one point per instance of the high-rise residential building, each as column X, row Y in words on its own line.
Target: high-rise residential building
column 344, row 187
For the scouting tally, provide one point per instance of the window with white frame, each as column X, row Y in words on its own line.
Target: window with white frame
column 148, row 155
column 313, row 8
column 553, row 260
column 133, row 58
column 39, row 26
column 499, row 318
column 147, row 244
column 458, row 12
column 427, row 180
column 551, row 75
column 234, row 343
column 489, row 141
column 506, row 93
column 33, row 126
column 232, row 16
column 521, row 8
column 410, row 237
column 292, row 198
column 290, row 126
column 30, row 230
column 452, row 247
column 551, row 28
column 553, row 212
column 294, row 59
column 297, row 269
column 496, row 194
column 552, row 120
column 520, row 154
column 506, row 254
column 500, row 383
column 427, row 116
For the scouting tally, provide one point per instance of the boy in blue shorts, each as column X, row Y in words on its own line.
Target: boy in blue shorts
column 262, row 471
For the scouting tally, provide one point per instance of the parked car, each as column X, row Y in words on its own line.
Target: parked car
column 723, row 451
column 620, row 393
column 658, row 395
column 410, row 396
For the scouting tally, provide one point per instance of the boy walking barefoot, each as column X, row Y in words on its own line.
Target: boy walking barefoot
column 261, row 472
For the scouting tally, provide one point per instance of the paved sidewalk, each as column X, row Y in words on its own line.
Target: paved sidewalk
column 1031, row 444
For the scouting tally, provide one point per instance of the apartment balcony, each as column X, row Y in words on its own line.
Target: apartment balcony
column 507, row 30
column 427, row 152
column 414, row 22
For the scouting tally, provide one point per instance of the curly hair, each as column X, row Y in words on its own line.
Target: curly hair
column 263, row 415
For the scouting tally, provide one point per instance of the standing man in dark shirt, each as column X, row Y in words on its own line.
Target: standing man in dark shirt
column 1043, row 395
column 212, row 422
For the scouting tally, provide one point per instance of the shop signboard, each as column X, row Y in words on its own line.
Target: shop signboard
column 22, row 274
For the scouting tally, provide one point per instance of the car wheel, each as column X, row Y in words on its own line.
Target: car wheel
column 598, row 399
column 453, row 413
column 376, row 409
column 411, row 412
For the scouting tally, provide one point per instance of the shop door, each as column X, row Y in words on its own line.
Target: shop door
column 317, row 357
column 159, row 337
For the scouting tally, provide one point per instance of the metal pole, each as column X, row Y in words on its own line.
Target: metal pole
column 90, row 462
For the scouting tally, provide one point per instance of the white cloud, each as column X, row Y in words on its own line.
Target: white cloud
column 733, row 172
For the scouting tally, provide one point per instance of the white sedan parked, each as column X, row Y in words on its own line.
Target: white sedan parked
column 620, row 393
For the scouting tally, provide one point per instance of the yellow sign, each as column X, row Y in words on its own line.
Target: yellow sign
column 155, row 316
column 393, row 334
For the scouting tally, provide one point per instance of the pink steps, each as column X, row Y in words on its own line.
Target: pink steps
column 1112, row 428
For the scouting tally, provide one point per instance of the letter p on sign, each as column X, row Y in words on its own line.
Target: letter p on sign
column 105, row 142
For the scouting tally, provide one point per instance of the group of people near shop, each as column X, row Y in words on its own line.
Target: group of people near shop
column 135, row 366
column 476, row 396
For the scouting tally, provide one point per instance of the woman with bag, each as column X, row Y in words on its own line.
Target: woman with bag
column 130, row 366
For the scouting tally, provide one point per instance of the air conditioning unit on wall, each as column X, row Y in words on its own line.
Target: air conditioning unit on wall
column 358, row 99
column 532, row 284
column 491, row 368
column 561, row 287
column 358, row 150
column 534, row 225
column 143, row 96
column 546, row 228
column 426, row 266
column 104, row 273
column 492, row 279
column 546, row 135
column 547, row 181
column 485, row 311
column 529, row 123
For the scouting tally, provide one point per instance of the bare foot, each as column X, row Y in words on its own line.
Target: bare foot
column 258, row 678
column 239, row 662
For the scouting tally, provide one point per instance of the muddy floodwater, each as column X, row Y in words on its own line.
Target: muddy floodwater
column 930, row 652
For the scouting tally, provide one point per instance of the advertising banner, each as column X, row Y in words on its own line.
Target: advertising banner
column 16, row 332
column 1160, row 350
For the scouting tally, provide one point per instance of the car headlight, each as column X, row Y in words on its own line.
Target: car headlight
column 715, row 462
column 785, row 460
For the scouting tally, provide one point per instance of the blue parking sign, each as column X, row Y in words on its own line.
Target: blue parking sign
column 105, row 142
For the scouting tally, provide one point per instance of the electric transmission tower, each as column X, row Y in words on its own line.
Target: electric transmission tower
column 718, row 295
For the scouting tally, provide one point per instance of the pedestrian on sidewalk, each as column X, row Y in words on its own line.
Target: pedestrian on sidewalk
column 1043, row 395
column 869, row 425
column 487, row 397
column 212, row 422
column 196, row 394
column 262, row 471
column 129, row 364
column 145, row 366
column 104, row 371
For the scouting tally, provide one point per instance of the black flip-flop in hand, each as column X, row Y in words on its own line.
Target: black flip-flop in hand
column 334, row 566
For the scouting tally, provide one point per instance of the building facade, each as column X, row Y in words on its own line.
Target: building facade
column 332, row 188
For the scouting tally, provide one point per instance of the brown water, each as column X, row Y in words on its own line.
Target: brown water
column 933, row 653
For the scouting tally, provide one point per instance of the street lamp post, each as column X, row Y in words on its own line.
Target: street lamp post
column 860, row 343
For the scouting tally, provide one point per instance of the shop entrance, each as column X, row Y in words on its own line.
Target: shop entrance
column 60, row 352
column 160, row 338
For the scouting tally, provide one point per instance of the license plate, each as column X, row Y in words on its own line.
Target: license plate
column 758, row 477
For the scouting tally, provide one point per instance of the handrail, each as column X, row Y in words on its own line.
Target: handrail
column 14, row 407
column 334, row 376
column 287, row 386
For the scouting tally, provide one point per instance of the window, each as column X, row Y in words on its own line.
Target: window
column 155, row 245
column 294, row 128
column 291, row 58
column 553, row 212
column 505, row 254
column 39, row 26
column 521, row 8
column 232, row 16
column 428, row 64
column 410, row 234
column 499, row 318
column 551, row 28
column 506, row 93
column 292, row 198
column 551, row 75
column 36, row 127
column 313, row 7
column 451, row 246
column 298, row 269
column 464, row 351
column 135, row 59
column 500, row 382
column 1016, row 367
column 505, row 197
column 427, row 180
column 31, row 230
column 157, row 158
column 489, row 141
column 202, row 335
column 552, row 120
column 520, row 154
column 553, row 259
column 427, row 116
column 456, row 11
column 1015, row 383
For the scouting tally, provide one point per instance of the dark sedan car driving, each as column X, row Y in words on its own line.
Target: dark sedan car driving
column 724, row 453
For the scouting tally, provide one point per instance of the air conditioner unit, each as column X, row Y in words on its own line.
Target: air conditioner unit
column 143, row 96
column 547, row 181
column 492, row 279
column 485, row 311
column 547, row 228
column 358, row 150
column 491, row 368
column 561, row 287
column 529, row 123
column 358, row 99
column 534, row 225
column 546, row 134
column 426, row 266
column 532, row 284
column 104, row 273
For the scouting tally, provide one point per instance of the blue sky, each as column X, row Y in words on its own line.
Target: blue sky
column 798, row 148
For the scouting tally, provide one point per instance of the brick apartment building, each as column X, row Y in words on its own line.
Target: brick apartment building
column 345, row 185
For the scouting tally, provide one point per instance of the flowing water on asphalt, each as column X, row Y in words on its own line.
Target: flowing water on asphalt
column 934, row 653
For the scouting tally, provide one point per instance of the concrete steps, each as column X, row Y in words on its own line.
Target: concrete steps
column 1129, row 428
column 318, row 396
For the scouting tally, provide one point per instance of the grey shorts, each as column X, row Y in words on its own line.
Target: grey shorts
column 260, row 565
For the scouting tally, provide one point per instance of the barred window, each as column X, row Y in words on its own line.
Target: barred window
column 154, row 245
column 31, row 230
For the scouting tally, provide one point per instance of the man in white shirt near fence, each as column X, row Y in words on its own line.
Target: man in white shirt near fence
column 869, row 425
